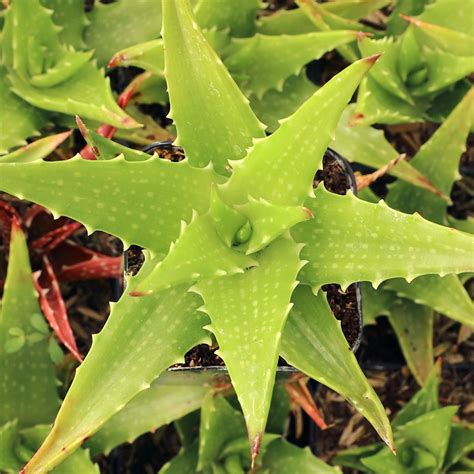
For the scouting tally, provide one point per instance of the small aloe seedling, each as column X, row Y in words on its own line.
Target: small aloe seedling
column 42, row 71
column 256, row 245
column 222, row 444
column 28, row 394
column 428, row 440
column 421, row 75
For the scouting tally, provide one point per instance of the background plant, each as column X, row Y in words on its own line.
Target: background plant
column 428, row 439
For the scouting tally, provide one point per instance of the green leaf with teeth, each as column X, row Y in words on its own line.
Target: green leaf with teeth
column 113, row 185
column 238, row 17
column 28, row 120
column 168, row 320
column 9, row 462
column 214, row 121
column 295, row 151
column 248, row 313
column 262, row 62
column 198, row 253
column 313, row 342
column 51, row 75
column 27, row 382
column 342, row 248
column 148, row 56
column 446, row 295
column 112, row 27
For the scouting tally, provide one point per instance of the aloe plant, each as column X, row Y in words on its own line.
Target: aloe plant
column 235, row 263
column 428, row 439
column 44, row 70
column 410, row 306
column 422, row 74
column 222, row 446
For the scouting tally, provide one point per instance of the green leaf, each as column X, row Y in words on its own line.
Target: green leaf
column 461, row 442
column 385, row 72
column 220, row 424
column 269, row 221
column 446, row 295
column 28, row 386
column 368, row 146
column 238, row 17
column 281, row 168
column 276, row 105
column 166, row 191
column 69, row 14
column 454, row 14
column 264, row 62
column 185, row 461
column 440, row 168
column 26, row 119
column 198, row 253
column 8, row 438
column 352, row 457
column 286, row 22
column 257, row 302
column 376, row 302
column 282, row 457
column 148, row 56
column 205, row 101
column 342, row 247
column 376, row 105
column 430, row 431
column 354, row 9
column 87, row 94
column 126, row 358
column 314, row 343
column 396, row 25
column 413, row 325
column 37, row 150
column 112, row 27
column 165, row 401
column 424, row 401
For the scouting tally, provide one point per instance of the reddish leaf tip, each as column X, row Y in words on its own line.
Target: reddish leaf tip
column 373, row 59
column 256, row 443
column 308, row 213
column 355, row 119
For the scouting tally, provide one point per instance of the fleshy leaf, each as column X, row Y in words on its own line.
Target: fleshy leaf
column 112, row 27
column 205, row 101
column 238, row 17
column 446, row 295
column 220, row 424
column 281, row 167
column 454, row 14
column 368, row 146
column 409, row 246
column 376, row 302
column 8, row 437
column 285, row 22
column 26, row 118
column 258, row 305
column 125, row 357
column 413, row 325
column 376, row 105
column 28, row 385
column 185, row 461
column 36, row 150
column 165, row 401
column 269, row 221
column 352, row 457
column 396, row 25
column 385, row 72
column 461, row 442
column 264, row 62
column 199, row 253
column 314, row 343
column 282, row 457
column 154, row 183
column 148, row 56
column 276, row 105
column 440, row 168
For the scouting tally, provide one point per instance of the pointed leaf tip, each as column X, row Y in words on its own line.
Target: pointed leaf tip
column 372, row 59
column 256, row 443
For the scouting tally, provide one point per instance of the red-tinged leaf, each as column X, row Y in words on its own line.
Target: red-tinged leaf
column 7, row 214
column 53, row 238
column 71, row 262
column 53, row 307
column 32, row 212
